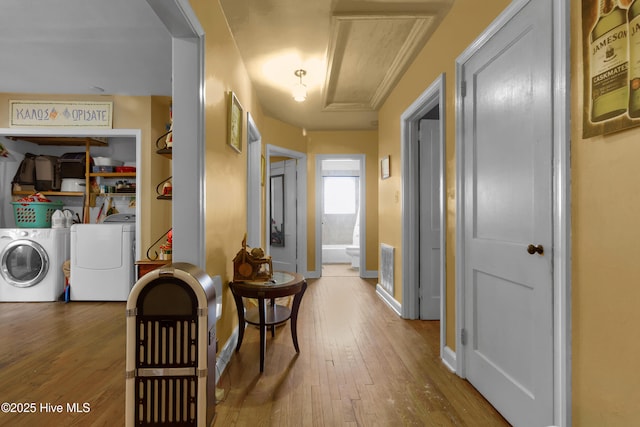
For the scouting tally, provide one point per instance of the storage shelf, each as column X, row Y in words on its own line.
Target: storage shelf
column 49, row 193
column 88, row 142
column 166, row 152
column 113, row 174
column 123, row 194
column 67, row 141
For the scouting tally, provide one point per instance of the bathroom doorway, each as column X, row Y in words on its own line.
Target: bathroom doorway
column 340, row 245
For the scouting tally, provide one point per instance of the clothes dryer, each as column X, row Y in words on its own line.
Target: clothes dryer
column 31, row 262
column 103, row 259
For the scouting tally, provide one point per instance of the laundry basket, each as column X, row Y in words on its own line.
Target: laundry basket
column 34, row 214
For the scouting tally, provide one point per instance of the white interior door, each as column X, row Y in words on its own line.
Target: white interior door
column 254, row 187
column 283, row 250
column 429, row 171
column 507, row 178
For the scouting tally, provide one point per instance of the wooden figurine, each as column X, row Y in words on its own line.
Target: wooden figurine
column 252, row 265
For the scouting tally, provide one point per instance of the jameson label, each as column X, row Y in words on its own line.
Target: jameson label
column 609, row 74
column 634, row 67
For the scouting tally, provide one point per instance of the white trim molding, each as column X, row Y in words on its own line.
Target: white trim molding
column 389, row 299
column 189, row 178
column 362, row 188
column 254, row 186
column 433, row 96
column 449, row 358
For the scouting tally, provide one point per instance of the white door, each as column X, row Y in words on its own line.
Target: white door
column 507, row 151
column 283, row 250
column 254, row 188
column 429, row 171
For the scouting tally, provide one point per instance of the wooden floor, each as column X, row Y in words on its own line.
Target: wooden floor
column 341, row 270
column 359, row 365
column 59, row 354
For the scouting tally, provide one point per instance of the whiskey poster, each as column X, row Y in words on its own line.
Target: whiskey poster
column 611, row 58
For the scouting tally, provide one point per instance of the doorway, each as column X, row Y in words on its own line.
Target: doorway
column 340, row 209
column 423, row 211
column 298, row 235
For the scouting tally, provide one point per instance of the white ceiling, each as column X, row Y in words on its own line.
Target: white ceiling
column 71, row 46
column 354, row 51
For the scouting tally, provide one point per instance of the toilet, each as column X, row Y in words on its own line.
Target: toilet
column 353, row 251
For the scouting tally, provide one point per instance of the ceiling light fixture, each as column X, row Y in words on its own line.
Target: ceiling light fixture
column 299, row 91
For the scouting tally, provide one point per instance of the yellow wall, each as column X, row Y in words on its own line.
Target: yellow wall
column 283, row 135
column 605, row 266
column 226, row 170
column 345, row 142
column 464, row 22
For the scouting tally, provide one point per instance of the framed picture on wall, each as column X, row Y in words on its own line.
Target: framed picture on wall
column 384, row 168
column 611, row 86
column 234, row 125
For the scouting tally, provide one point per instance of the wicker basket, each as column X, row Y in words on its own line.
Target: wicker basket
column 34, row 214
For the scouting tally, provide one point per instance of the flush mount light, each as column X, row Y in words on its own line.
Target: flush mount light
column 299, row 91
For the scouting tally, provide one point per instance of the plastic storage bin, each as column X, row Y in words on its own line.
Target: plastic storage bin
column 34, row 214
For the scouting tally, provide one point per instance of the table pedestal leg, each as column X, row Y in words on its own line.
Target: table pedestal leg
column 263, row 331
column 240, row 308
column 273, row 308
column 294, row 316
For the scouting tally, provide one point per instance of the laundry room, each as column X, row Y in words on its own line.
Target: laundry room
column 70, row 235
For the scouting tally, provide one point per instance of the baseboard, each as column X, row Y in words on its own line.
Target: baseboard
column 370, row 274
column 312, row 275
column 449, row 359
column 223, row 358
column 389, row 300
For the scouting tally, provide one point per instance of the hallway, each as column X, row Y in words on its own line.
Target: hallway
column 359, row 364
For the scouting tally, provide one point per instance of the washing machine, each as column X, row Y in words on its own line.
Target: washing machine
column 103, row 259
column 31, row 262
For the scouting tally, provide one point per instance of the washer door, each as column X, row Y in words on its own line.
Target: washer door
column 24, row 263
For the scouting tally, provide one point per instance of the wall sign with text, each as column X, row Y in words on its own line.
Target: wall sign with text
column 70, row 114
column 611, row 58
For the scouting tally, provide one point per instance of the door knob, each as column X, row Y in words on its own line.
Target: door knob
column 535, row 249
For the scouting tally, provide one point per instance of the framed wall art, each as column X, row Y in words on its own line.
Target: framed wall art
column 234, row 125
column 611, row 66
column 384, row 168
